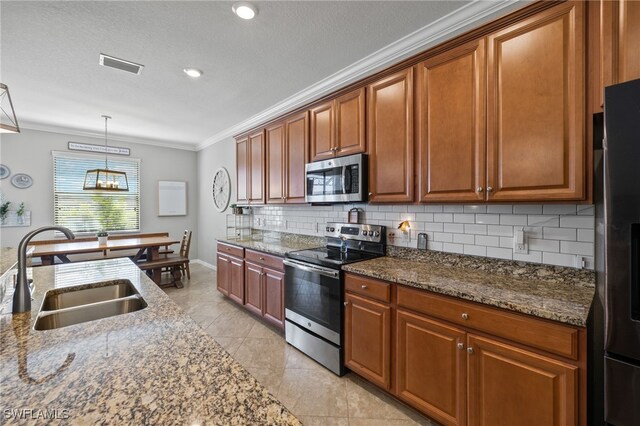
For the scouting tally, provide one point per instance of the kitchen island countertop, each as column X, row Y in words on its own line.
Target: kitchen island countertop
column 154, row 366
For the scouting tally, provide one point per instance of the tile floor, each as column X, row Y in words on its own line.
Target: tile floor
column 315, row 395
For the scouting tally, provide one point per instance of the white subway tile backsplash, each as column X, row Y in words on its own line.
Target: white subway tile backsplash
column 575, row 247
column 454, row 227
column 464, row 218
column 557, row 234
column 527, row 209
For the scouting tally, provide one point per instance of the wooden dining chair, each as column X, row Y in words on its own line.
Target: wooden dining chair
column 181, row 261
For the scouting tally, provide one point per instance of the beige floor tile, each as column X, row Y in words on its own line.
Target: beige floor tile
column 230, row 344
column 298, row 360
column 265, row 331
column 324, row 421
column 269, row 378
column 383, row 422
column 262, row 353
column 313, row 393
column 232, row 323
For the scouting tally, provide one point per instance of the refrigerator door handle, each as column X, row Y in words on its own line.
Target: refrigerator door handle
column 635, row 271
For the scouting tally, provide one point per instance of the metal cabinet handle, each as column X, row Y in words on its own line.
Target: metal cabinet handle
column 479, row 189
column 489, row 189
column 460, row 346
column 465, row 316
column 470, row 350
column 261, row 258
column 363, row 286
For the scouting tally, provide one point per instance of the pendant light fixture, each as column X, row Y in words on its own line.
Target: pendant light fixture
column 8, row 120
column 105, row 179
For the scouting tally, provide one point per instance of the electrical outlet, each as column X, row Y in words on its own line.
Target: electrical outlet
column 580, row 262
column 520, row 244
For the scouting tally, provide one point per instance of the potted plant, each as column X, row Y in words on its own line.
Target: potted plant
column 102, row 237
column 20, row 213
column 4, row 210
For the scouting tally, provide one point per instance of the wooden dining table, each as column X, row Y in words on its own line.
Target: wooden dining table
column 150, row 245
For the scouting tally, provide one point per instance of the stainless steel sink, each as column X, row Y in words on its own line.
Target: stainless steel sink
column 69, row 306
column 100, row 292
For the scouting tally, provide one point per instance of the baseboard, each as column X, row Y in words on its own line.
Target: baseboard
column 203, row 263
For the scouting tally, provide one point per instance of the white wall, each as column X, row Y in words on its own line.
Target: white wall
column 211, row 223
column 30, row 152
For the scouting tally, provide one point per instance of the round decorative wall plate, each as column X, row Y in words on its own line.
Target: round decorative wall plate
column 221, row 189
column 21, row 180
column 4, row 171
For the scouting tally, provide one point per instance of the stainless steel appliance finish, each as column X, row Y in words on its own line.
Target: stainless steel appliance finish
column 339, row 180
column 619, row 274
column 314, row 290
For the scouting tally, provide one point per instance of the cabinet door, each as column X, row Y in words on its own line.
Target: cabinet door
column 253, row 277
column 275, row 164
column 242, row 168
column 430, row 367
column 223, row 274
column 535, row 108
column 511, row 386
column 273, row 306
column 296, row 156
column 256, row 164
column 451, row 147
column 322, row 132
column 390, row 138
column 368, row 339
column 628, row 40
column 236, row 280
column 350, row 127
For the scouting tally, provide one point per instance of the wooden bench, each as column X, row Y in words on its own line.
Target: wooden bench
column 174, row 264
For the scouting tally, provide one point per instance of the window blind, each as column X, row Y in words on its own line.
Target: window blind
column 91, row 211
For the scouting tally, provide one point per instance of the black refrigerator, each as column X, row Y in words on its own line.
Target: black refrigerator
column 618, row 245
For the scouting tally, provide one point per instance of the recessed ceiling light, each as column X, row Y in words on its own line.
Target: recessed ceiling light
column 245, row 10
column 193, row 72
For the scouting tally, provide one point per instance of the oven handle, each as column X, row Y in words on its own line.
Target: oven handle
column 332, row 273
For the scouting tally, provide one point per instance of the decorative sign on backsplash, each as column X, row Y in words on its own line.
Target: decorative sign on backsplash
column 99, row 149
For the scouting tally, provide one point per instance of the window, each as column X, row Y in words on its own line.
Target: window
column 91, row 211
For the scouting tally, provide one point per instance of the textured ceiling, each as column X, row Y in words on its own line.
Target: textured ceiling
column 49, row 59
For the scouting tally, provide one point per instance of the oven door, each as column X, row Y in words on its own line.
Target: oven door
column 336, row 180
column 313, row 298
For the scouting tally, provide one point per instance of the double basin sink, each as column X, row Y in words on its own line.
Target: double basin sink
column 75, row 305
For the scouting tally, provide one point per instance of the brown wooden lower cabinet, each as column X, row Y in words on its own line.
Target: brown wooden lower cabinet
column 431, row 367
column 255, row 281
column 458, row 373
column 368, row 339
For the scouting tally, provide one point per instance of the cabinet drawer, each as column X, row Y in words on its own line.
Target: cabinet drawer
column 231, row 250
column 538, row 333
column 368, row 287
column 264, row 259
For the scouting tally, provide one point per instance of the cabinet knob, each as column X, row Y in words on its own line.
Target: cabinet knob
column 479, row 189
column 363, row 286
column 465, row 316
column 261, row 258
column 370, row 194
column 489, row 189
column 346, row 303
column 460, row 346
column 470, row 350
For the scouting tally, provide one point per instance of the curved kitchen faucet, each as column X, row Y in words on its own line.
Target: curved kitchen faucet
column 22, row 295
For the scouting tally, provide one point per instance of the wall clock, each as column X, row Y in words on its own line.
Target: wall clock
column 221, row 189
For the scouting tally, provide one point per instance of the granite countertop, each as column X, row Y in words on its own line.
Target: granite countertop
column 154, row 366
column 278, row 243
column 560, row 294
column 8, row 259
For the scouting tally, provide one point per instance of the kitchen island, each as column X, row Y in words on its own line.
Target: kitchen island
column 154, row 366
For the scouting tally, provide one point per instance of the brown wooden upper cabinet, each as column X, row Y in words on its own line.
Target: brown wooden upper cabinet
column 390, row 138
column 535, row 108
column 250, row 168
column 451, row 125
column 287, row 145
column 338, row 127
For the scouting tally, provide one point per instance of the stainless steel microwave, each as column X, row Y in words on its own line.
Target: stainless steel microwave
column 339, row 180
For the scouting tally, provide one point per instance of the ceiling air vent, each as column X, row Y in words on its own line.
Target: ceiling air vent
column 120, row 64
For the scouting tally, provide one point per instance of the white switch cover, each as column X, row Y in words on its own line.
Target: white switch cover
column 520, row 244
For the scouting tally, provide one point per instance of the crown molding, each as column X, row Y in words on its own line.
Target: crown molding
column 99, row 135
column 471, row 14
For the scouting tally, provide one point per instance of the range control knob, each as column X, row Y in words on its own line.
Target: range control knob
column 376, row 234
column 364, row 233
column 327, row 229
column 371, row 233
column 332, row 229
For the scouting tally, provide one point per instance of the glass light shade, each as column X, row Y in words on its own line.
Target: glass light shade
column 105, row 180
column 404, row 226
column 8, row 120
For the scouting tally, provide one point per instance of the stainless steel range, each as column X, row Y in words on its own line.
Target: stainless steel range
column 314, row 290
